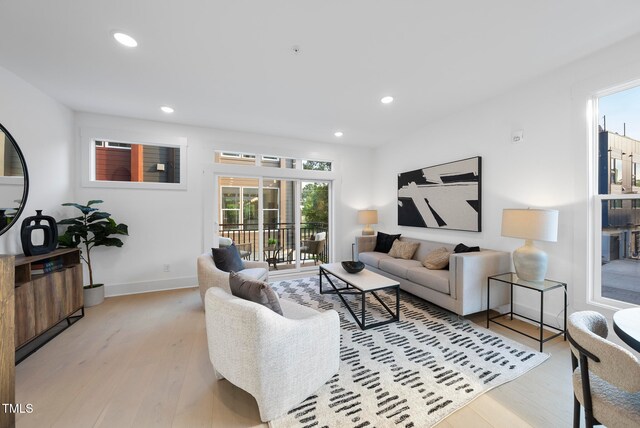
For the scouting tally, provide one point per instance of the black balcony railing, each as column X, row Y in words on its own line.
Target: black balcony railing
column 278, row 240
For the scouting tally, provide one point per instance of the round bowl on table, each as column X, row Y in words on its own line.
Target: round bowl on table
column 352, row 267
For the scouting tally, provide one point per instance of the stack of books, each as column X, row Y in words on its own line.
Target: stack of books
column 46, row 266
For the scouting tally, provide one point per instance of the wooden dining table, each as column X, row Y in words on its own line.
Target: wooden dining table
column 626, row 324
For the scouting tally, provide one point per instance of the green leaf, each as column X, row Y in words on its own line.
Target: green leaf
column 67, row 240
column 112, row 242
column 85, row 209
column 94, row 201
column 77, row 220
column 99, row 215
column 123, row 229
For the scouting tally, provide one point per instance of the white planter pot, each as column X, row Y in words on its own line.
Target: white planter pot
column 93, row 296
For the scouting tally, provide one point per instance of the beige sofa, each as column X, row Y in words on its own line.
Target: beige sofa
column 461, row 289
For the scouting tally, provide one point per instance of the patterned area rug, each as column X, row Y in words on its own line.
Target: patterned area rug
column 412, row 373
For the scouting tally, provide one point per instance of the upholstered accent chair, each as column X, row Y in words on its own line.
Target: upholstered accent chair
column 210, row 276
column 279, row 360
column 606, row 377
column 313, row 247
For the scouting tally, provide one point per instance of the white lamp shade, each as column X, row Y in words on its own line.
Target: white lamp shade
column 534, row 224
column 368, row 217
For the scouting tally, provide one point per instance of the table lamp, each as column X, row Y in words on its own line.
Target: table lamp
column 368, row 217
column 530, row 224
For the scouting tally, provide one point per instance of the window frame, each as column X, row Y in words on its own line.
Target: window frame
column 594, row 292
column 241, row 199
column 89, row 137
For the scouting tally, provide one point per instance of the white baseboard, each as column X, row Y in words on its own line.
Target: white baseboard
column 150, row 286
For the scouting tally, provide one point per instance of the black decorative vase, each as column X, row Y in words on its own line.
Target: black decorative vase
column 47, row 225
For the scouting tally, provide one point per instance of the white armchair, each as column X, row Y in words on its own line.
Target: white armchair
column 210, row 276
column 279, row 360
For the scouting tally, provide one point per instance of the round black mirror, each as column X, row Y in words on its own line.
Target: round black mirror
column 14, row 180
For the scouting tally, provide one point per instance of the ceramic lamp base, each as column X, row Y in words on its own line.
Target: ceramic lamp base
column 368, row 230
column 530, row 262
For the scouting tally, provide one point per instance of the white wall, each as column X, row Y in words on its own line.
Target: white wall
column 550, row 169
column 166, row 226
column 43, row 129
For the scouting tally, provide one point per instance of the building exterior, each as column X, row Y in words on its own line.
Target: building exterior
column 619, row 174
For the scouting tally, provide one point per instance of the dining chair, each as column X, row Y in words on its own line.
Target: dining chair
column 606, row 377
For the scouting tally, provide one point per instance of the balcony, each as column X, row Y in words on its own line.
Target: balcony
column 279, row 243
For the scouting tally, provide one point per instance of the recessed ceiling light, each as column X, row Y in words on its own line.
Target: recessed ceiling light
column 386, row 100
column 125, row 39
column 167, row 109
column 338, row 134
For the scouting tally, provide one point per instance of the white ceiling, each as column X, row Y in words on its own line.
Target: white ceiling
column 228, row 64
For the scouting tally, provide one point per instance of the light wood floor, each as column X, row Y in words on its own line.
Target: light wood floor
column 142, row 361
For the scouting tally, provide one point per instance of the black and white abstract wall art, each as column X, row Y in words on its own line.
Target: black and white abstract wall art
column 446, row 196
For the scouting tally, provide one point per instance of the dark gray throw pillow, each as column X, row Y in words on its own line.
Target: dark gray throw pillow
column 255, row 291
column 384, row 242
column 227, row 259
column 461, row 248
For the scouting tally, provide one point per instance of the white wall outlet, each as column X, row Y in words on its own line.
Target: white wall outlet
column 166, row 268
column 517, row 136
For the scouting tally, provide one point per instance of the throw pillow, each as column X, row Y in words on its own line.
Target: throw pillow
column 402, row 249
column 227, row 259
column 437, row 259
column 255, row 291
column 384, row 242
column 461, row 248
column 223, row 241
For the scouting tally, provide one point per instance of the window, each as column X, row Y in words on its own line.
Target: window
column 316, row 165
column 616, row 171
column 249, row 159
column 271, row 161
column 115, row 161
column 271, row 208
column 239, row 208
column 124, row 159
column 635, row 178
column 618, row 215
column 231, row 207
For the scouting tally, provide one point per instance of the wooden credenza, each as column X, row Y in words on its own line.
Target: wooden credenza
column 7, row 349
column 43, row 300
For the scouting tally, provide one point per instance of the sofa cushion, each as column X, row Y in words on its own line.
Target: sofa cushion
column 437, row 259
column 255, row 291
column 398, row 267
column 256, row 273
column 434, row 279
column 372, row 258
column 384, row 242
column 404, row 250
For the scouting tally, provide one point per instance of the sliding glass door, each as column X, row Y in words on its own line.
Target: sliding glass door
column 284, row 222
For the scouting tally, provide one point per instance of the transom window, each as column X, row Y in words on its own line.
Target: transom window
column 271, row 161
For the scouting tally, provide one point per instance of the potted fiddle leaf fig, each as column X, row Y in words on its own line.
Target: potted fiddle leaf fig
column 93, row 228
